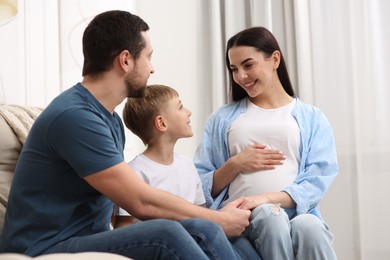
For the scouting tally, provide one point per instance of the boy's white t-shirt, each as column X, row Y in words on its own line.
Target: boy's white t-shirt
column 275, row 128
column 180, row 178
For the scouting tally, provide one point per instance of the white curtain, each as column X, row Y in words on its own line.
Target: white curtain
column 338, row 57
column 349, row 40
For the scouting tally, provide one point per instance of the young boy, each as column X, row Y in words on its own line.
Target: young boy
column 159, row 120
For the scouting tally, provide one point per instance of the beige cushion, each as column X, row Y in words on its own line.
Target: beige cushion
column 2, row 214
column 15, row 123
column 9, row 152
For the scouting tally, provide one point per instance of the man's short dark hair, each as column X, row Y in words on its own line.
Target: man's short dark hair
column 107, row 35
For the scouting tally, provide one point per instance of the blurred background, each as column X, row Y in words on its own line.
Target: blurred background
column 337, row 54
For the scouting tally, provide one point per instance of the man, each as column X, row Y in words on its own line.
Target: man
column 71, row 169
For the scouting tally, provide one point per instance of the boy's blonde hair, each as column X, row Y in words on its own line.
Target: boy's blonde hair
column 139, row 113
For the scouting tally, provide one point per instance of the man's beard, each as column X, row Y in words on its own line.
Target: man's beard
column 134, row 88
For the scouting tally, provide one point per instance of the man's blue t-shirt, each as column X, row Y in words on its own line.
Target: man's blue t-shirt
column 49, row 201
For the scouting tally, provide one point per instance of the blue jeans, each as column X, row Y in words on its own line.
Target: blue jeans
column 274, row 236
column 244, row 248
column 156, row 239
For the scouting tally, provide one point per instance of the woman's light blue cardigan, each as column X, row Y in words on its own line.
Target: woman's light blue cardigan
column 318, row 165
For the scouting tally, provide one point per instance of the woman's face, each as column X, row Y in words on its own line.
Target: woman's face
column 252, row 70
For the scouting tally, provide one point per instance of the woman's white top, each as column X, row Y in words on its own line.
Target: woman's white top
column 275, row 128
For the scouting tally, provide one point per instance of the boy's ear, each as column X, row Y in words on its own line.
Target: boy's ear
column 159, row 123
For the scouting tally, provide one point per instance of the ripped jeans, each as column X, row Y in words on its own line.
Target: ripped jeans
column 274, row 236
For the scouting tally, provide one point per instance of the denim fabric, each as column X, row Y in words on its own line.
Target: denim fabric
column 244, row 248
column 211, row 238
column 274, row 236
column 156, row 239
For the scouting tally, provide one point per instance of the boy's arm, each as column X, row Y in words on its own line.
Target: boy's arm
column 128, row 191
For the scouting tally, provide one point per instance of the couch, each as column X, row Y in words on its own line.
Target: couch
column 15, row 122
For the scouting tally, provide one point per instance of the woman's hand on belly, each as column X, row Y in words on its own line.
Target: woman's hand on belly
column 257, row 157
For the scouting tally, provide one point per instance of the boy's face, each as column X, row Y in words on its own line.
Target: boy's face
column 177, row 119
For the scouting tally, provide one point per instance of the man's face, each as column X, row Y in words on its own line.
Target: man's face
column 136, row 79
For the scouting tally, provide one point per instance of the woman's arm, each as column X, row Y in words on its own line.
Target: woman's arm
column 281, row 198
column 318, row 166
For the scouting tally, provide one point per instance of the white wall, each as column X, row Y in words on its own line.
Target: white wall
column 176, row 40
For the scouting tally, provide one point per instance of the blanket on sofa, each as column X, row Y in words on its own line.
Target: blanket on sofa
column 20, row 119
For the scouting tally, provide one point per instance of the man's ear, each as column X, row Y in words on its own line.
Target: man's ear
column 125, row 60
column 160, row 124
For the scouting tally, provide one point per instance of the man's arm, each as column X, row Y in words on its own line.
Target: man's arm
column 128, row 191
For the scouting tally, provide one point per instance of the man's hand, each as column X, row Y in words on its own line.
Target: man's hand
column 234, row 220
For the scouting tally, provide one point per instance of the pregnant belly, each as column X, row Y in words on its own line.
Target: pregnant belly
column 246, row 184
